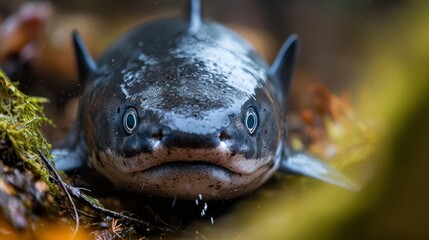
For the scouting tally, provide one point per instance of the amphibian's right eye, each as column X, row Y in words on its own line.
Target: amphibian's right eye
column 130, row 120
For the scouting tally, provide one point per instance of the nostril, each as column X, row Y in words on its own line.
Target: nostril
column 158, row 134
column 224, row 136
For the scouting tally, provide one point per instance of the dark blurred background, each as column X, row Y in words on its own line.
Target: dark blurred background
column 333, row 32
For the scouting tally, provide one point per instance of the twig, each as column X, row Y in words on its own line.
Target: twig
column 63, row 185
column 76, row 192
column 86, row 214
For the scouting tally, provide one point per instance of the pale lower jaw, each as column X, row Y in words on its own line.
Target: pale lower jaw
column 183, row 166
column 234, row 162
column 185, row 180
column 189, row 182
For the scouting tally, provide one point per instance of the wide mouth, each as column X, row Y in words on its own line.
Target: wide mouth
column 187, row 166
column 187, row 173
column 181, row 159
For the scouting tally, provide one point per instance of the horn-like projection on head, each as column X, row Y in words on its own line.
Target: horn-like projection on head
column 85, row 63
column 194, row 15
column 284, row 64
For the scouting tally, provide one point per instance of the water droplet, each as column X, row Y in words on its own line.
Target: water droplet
column 173, row 204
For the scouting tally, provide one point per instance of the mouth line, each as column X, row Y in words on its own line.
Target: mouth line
column 189, row 165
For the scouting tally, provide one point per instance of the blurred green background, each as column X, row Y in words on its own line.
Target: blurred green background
column 377, row 50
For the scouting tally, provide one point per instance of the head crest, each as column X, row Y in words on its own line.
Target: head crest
column 85, row 63
column 284, row 64
column 194, row 15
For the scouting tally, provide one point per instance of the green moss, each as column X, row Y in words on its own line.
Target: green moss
column 21, row 119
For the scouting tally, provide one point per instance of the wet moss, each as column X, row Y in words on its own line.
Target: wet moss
column 21, row 119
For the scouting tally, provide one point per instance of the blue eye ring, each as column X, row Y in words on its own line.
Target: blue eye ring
column 130, row 120
column 251, row 122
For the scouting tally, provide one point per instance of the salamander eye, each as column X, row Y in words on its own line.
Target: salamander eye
column 130, row 120
column 251, row 120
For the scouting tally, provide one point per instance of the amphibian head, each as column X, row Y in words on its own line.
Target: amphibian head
column 183, row 107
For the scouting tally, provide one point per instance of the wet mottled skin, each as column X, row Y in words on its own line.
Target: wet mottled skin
column 182, row 107
column 191, row 92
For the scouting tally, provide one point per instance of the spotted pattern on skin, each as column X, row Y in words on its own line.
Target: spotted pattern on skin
column 236, row 163
column 213, row 182
column 137, row 173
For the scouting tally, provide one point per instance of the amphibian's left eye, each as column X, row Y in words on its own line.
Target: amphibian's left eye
column 130, row 120
column 251, row 120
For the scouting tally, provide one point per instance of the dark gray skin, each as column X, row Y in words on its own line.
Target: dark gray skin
column 183, row 107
